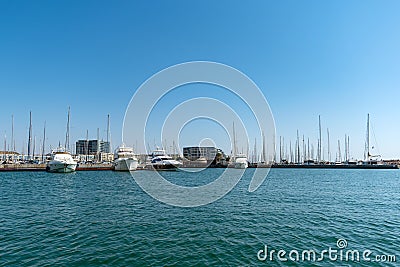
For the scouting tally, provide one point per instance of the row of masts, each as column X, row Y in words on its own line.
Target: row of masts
column 302, row 151
column 10, row 148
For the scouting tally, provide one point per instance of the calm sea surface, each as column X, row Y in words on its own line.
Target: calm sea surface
column 104, row 218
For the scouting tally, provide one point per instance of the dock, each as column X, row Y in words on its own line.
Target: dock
column 42, row 167
column 337, row 166
column 22, row 167
column 109, row 167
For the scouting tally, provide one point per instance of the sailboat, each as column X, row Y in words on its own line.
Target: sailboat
column 239, row 160
column 62, row 160
column 368, row 158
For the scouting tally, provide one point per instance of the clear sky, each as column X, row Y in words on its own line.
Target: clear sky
column 337, row 59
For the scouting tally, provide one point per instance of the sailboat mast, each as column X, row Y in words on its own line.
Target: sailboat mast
column 263, row 148
column 340, row 154
column 329, row 149
column 366, row 153
column 12, row 137
column 255, row 151
column 108, row 127
column 280, row 148
column 108, row 133
column 304, row 150
column 5, row 148
column 12, row 133
column 173, row 149
column 274, row 154
column 34, row 147
column 345, row 147
column 44, row 140
column 30, row 135
column 348, row 147
column 234, row 141
column 87, row 145
column 320, row 140
column 67, row 132
column 98, row 145
column 298, row 148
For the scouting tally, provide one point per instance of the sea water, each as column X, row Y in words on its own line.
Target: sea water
column 104, row 218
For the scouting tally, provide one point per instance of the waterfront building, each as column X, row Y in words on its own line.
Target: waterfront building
column 9, row 156
column 208, row 153
column 92, row 147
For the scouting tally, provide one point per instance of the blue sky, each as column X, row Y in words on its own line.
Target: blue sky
column 339, row 59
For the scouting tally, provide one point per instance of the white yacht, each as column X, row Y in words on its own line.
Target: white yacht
column 241, row 162
column 61, row 161
column 159, row 160
column 124, row 159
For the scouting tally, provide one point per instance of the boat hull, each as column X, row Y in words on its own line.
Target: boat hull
column 162, row 167
column 61, row 167
column 125, row 165
column 241, row 165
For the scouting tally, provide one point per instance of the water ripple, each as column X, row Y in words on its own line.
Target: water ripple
column 103, row 218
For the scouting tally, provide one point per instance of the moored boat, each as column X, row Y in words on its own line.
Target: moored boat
column 61, row 162
column 241, row 162
column 124, row 159
column 159, row 160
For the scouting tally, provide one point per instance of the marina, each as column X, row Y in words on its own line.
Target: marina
column 141, row 167
column 97, row 154
column 199, row 133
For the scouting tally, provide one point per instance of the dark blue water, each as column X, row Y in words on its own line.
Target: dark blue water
column 105, row 219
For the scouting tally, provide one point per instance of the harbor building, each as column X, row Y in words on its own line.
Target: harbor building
column 197, row 156
column 196, row 152
column 92, row 147
column 9, row 156
column 208, row 153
